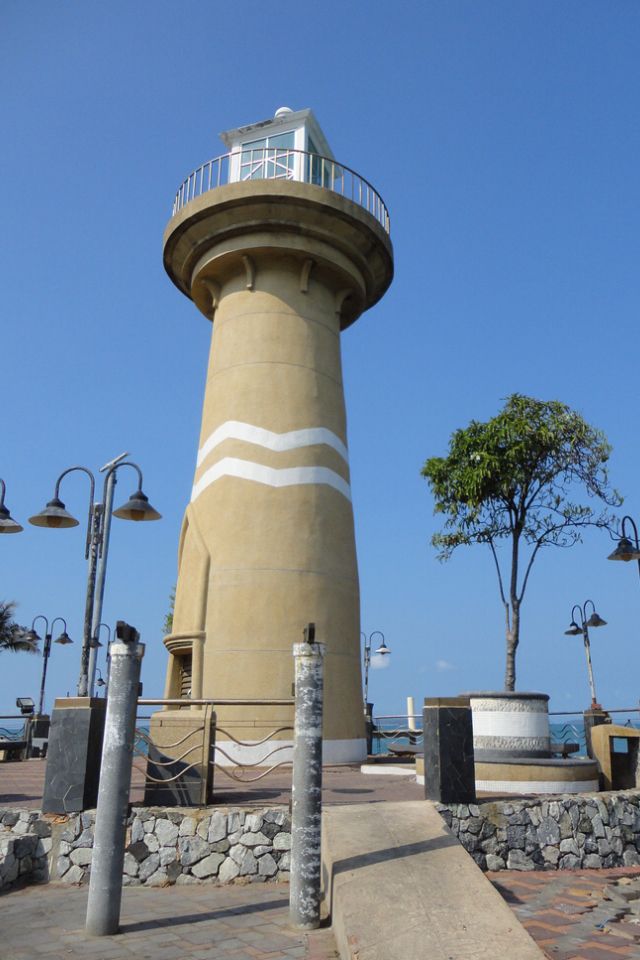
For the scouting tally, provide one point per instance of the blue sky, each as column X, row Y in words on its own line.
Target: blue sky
column 504, row 138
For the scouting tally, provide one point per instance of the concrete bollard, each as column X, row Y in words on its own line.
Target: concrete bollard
column 105, row 884
column 306, row 817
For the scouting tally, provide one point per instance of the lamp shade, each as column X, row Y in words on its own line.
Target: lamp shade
column 7, row 523
column 383, row 649
column 54, row 515
column 574, row 630
column 625, row 551
column 595, row 620
column 137, row 508
column 64, row 638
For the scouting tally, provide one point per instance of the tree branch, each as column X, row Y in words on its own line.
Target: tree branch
column 498, row 571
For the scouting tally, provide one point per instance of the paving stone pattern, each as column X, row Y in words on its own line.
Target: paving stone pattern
column 568, row 832
column 573, row 915
column 177, row 923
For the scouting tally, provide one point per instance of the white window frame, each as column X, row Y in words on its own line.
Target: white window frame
column 299, row 143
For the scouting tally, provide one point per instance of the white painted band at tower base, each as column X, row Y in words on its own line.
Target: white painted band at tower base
column 281, row 257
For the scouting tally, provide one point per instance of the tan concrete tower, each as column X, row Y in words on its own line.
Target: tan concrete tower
column 282, row 248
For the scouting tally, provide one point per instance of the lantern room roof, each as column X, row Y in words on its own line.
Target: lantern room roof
column 283, row 121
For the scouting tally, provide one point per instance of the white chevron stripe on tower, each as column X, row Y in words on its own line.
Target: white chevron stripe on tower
column 236, row 430
column 272, row 477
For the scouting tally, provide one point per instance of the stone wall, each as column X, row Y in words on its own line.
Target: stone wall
column 558, row 833
column 25, row 847
column 163, row 846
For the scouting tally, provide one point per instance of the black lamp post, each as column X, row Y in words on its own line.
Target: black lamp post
column 56, row 515
column 582, row 628
column 627, row 549
column 383, row 650
column 7, row 523
column 63, row 639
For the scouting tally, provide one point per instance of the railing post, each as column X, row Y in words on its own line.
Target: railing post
column 306, row 816
column 105, row 884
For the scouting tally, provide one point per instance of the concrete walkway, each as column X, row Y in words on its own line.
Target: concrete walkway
column 401, row 887
column 174, row 923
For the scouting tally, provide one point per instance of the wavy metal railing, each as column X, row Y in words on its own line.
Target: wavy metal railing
column 244, row 765
column 271, row 163
column 144, row 742
column 141, row 735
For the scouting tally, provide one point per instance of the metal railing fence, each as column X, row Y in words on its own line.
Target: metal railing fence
column 272, row 163
column 566, row 726
column 199, row 747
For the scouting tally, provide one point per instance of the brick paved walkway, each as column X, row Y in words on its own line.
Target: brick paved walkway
column 21, row 785
column 176, row 923
column 565, row 913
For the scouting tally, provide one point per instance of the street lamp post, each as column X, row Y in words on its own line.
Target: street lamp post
column 627, row 549
column 582, row 628
column 63, row 639
column 94, row 649
column 383, row 650
column 7, row 523
column 96, row 545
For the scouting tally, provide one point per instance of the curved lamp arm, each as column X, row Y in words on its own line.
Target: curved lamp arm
column 92, row 490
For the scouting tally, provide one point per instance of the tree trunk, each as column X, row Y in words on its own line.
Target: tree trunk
column 513, row 639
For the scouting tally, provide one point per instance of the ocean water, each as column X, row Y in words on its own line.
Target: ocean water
column 570, row 730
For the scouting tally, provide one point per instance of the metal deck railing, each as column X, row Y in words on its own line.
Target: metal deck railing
column 272, row 163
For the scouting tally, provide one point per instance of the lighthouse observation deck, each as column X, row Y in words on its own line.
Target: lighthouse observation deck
column 273, row 163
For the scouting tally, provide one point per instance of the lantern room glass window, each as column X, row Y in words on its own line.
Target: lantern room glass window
column 268, row 158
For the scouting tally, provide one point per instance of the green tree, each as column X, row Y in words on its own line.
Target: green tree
column 12, row 635
column 519, row 477
column 167, row 626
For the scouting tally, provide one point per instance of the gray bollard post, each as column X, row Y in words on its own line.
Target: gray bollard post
column 306, row 816
column 105, row 883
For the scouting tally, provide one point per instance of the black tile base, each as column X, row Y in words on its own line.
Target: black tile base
column 449, row 773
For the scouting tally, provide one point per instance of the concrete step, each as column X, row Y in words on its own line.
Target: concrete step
column 399, row 886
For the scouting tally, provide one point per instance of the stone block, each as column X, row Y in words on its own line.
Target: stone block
column 81, row 856
column 166, row 832
column 209, row 866
column 139, row 850
column 74, row 874
column 267, row 867
column 254, row 840
column 148, row 867
column 517, row 860
column 130, row 866
column 229, row 870
column 167, row 855
column 548, row 832
column 217, row 827
column 192, row 849
column 188, row 827
column 282, row 841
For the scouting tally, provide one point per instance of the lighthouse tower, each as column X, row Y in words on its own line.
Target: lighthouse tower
column 281, row 247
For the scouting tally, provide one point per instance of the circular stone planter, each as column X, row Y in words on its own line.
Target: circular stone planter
column 510, row 725
column 512, row 747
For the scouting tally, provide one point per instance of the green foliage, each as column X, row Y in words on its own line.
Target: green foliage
column 535, row 474
column 515, row 474
column 167, row 626
column 12, row 635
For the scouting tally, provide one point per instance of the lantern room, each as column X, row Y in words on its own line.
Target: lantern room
column 288, row 147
